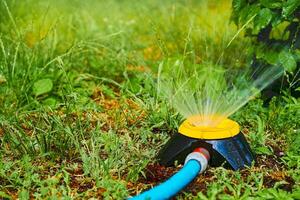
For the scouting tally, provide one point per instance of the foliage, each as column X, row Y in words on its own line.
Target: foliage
column 274, row 26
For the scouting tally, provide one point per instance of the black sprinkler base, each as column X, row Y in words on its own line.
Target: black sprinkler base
column 233, row 152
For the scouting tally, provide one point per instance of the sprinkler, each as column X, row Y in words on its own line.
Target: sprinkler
column 224, row 142
column 205, row 95
column 197, row 145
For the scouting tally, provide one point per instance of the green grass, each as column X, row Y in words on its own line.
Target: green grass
column 80, row 115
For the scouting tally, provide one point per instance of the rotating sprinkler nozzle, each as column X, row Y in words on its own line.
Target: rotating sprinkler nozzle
column 225, row 144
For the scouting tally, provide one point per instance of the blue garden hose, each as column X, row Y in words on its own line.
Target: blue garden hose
column 195, row 163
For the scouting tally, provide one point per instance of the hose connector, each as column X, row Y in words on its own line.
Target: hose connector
column 195, row 163
column 201, row 155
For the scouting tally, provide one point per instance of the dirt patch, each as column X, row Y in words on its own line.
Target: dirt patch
column 13, row 193
column 1, row 132
column 80, row 184
column 164, row 129
column 155, row 174
column 279, row 176
column 277, row 149
column 119, row 113
column 269, row 162
column 78, row 181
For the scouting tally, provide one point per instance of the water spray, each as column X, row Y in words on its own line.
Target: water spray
column 206, row 95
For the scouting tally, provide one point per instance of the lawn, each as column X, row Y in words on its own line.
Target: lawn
column 80, row 114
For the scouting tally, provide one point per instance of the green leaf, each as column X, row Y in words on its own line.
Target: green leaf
column 271, row 3
column 262, row 19
column 238, row 4
column 51, row 102
column 297, row 54
column 288, row 61
column 276, row 19
column 263, row 150
column 289, row 7
column 247, row 12
column 42, row 86
column 271, row 56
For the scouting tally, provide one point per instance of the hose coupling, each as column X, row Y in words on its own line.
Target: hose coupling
column 201, row 155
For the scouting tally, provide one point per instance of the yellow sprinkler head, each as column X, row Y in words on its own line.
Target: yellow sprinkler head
column 195, row 127
column 220, row 136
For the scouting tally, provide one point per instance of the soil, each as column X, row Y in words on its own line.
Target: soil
column 270, row 165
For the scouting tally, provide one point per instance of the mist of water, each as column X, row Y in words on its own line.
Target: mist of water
column 208, row 93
